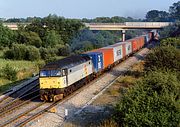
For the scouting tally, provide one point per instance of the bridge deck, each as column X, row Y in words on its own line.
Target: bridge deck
column 127, row 25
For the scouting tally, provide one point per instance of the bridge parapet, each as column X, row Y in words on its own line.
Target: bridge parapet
column 127, row 25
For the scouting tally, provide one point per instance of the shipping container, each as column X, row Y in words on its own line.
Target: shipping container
column 134, row 43
column 123, row 48
column 128, row 47
column 108, row 56
column 141, row 41
column 118, row 52
column 97, row 60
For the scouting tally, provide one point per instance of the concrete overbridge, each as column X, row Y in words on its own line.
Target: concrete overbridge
column 127, row 26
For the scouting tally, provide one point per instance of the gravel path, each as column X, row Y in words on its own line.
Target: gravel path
column 81, row 100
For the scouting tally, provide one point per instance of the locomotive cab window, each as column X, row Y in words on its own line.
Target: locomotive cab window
column 55, row 73
column 50, row 73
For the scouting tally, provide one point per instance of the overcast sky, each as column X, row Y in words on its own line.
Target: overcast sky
column 81, row 8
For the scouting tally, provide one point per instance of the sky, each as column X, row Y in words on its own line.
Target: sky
column 81, row 8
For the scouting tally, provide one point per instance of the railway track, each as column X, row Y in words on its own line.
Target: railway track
column 19, row 102
column 19, row 92
column 18, row 98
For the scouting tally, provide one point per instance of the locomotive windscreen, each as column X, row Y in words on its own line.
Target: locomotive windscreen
column 50, row 73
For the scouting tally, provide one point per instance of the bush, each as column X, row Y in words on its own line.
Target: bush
column 9, row 72
column 64, row 50
column 171, row 41
column 32, row 53
column 152, row 102
column 29, row 38
column 165, row 57
column 44, row 53
column 50, row 59
column 47, row 53
column 22, row 52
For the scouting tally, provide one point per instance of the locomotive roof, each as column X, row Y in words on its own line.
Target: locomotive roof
column 66, row 62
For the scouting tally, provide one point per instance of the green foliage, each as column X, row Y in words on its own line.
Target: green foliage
column 50, row 59
column 166, row 57
column 22, row 52
column 171, row 31
column 29, row 38
column 51, row 39
column 171, row 42
column 175, row 10
column 115, row 19
column 153, row 101
column 87, row 40
column 9, row 72
column 155, row 16
column 64, row 50
column 65, row 28
column 32, row 53
column 7, row 36
column 44, row 53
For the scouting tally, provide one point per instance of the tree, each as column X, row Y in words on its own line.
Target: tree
column 9, row 72
column 152, row 102
column 52, row 39
column 165, row 57
column 175, row 10
column 32, row 53
column 155, row 16
column 22, row 52
column 64, row 50
column 171, row 41
column 29, row 38
column 7, row 36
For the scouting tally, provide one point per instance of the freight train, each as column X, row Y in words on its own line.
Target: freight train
column 60, row 78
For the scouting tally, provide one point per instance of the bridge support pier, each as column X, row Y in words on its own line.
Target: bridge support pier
column 123, row 35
